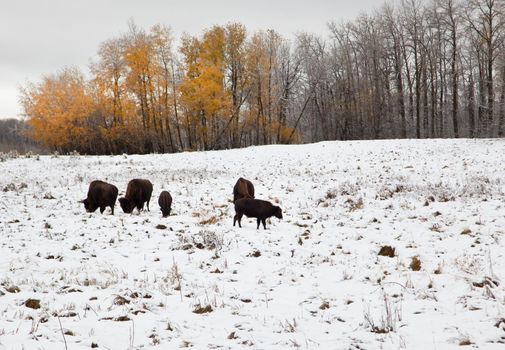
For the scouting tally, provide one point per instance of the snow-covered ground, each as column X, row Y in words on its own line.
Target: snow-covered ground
column 313, row 280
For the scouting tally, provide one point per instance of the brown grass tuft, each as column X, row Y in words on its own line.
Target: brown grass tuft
column 202, row 310
column 325, row 305
column 415, row 264
column 387, row 251
column 32, row 303
column 466, row 231
column 210, row 221
column 255, row 254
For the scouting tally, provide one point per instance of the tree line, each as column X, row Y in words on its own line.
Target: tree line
column 13, row 137
column 416, row 70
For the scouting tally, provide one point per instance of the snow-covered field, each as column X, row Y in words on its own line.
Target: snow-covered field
column 313, row 280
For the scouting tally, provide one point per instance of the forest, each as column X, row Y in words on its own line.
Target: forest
column 13, row 137
column 416, row 69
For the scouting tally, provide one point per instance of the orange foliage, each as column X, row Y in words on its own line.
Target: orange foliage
column 59, row 108
column 140, row 98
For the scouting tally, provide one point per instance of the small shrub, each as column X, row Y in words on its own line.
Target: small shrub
column 9, row 187
column 202, row 310
column 32, row 303
column 210, row 221
column 13, row 289
column 232, row 336
column 353, row 204
column 465, row 342
column 122, row 319
column 255, row 254
column 487, row 281
column 415, row 264
column 119, row 300
column 387, row 251
column 391, row 315
column 466, row 231
column 331, row 194
column 325, row 305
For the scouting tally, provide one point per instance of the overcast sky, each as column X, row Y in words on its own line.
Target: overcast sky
column 41, row 36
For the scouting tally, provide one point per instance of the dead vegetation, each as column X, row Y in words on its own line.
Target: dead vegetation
column 415, row 263
column 254, row 254
column 353, row 204
column 387, row 251
column 210, row 221
column 202, row 309
column 391, row 315
column 32, row 303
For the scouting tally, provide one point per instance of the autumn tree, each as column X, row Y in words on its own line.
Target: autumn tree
column 203, row 93
column 60, row 110
column 432, row 68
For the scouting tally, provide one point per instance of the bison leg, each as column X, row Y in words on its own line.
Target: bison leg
column 148, row 205
column 102, row 209
column 112, row 208
column 238, row 218
column 258, row 221
column 264, row 223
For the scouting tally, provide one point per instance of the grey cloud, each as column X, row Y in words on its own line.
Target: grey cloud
column 40, row 37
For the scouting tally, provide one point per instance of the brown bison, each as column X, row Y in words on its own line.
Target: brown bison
column 255, row 208
column 243, row 189
column 138, row 192
column 165, row 202
column 100, row 195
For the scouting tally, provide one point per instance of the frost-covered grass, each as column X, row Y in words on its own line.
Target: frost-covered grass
column 313, row 280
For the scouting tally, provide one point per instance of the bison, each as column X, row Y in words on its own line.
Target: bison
column 255, row 208
column 165, row 202
column 243, row 189
column 138, row 192
column 100, row 195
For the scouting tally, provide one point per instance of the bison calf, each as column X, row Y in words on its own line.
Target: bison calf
column 255, row 208
column 243, row 189
column 165, row 202
column 138, row 192
column 100, row 195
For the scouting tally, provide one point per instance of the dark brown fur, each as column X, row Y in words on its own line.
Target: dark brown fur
column 165, row 202
column 243, row 189
column 255, row 208
column 138, row 192
column 100, row 195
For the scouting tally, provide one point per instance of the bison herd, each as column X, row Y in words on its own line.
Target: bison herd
column 138, row 193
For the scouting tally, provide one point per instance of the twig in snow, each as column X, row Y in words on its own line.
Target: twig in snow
column 63, row 334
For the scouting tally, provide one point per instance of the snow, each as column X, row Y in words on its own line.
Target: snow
column 312, row 280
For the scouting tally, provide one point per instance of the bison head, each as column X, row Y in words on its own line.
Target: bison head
column 90, row 208
column 165, row 212
column 126, row 204
column 278, row 212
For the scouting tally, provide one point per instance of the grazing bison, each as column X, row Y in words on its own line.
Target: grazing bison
column 138, row 192
column 165, row 202
column 100, row 195
column 243, row 189
column 255, row 208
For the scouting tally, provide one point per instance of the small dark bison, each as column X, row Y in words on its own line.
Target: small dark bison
column 100, row 195
column 138, row 192
column 165, row 202
column 243, row 189
column 255, row 208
